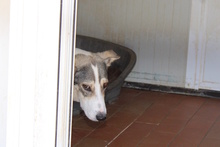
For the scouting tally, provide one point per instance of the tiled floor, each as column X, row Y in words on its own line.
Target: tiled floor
column 145, row 119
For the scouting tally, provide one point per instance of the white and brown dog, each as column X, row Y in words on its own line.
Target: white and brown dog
column 91, row 80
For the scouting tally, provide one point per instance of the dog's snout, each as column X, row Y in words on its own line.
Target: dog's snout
column 101, row 116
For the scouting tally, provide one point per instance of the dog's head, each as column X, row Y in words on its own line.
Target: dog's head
column 91, row 80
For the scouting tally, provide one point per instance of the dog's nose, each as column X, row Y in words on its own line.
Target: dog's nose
column 101, row 116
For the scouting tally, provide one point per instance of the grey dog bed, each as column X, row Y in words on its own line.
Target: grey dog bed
column 117, row 72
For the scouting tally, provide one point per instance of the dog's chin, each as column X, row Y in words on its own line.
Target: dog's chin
column 91, row 112
column 91, row 117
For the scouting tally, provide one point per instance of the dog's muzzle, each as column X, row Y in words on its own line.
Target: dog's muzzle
column 101, row 116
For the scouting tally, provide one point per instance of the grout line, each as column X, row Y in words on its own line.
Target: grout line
column 120, row 133
column 210, row 129
column 158, row 123
column 97, row 127
column 136, row 95
column 186, row 123
column 87, row 135
column 128, row 126
column 139, row 143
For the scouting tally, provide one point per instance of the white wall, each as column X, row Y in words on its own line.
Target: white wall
column 157, row 30
column 4, row 43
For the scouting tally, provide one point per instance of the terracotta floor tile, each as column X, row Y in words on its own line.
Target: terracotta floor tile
column 155, row 114
column 132, row 135
column 208, row 111
column 171, row 126
column 112, row 109
column 193, row 133
column 184, row 142
column 78, row 134
column 210, row 142
column 200, row 124
column 197, row 127
column 86, row 124
column 127, row 95
column 160, row 109
column 214, row 132
column 176, row 120
column 92, row 142
column 105, row 133
column 157, row 139
column 150, row 96
column 77, row 117
column 170, row 99
column 190, row 137
column 130, row 92
column 182, row 114
column 121, row 119
column 145, row 118
column 136, row 107
column 191, row 102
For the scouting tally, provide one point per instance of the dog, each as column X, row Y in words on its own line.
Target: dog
column 91, row 80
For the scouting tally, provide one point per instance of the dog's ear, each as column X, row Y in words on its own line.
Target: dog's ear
column 79, row 63
column 108, row 57
column 80, row 60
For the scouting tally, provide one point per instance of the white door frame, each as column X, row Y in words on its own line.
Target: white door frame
column 37, row 51
column 195, row 58
column 66, row 73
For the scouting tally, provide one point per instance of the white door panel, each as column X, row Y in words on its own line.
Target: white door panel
column 211, row 50
column 212, row 58
column 203, row 62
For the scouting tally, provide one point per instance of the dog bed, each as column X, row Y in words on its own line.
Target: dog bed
column 117, row 72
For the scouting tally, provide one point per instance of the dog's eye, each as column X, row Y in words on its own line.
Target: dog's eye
column 105, row 85
column 86, row 87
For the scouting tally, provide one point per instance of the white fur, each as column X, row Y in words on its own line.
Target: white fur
column 99, row 96
column 95, row 104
